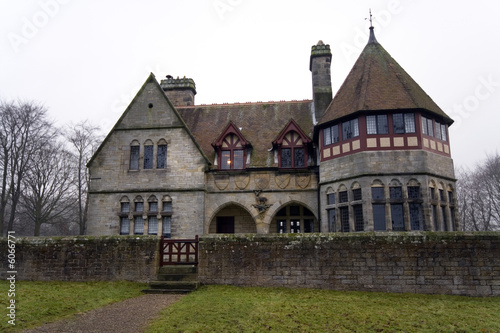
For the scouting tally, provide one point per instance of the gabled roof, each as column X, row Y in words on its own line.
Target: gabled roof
column 260, row 123
column 122, row 124
column 230, row 129
column 378, row 82
column 291, row 126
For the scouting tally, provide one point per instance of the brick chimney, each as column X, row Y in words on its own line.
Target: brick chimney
column 319, row 65
column 179, row 91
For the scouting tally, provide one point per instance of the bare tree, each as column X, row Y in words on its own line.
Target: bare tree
column 24, row 130
column 479, row 196
column 84, row 140
column 47, row 197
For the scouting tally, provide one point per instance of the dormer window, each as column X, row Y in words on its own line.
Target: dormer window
column 293, row 154
column 231, row 149
column 232, row 153
column 292, row 147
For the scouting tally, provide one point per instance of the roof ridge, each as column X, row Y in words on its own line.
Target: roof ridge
column 246, row 103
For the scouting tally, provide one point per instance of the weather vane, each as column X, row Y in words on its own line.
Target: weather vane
column 371, row 23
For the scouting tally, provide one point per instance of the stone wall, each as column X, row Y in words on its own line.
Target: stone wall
column 431, row 263
column 84, row 258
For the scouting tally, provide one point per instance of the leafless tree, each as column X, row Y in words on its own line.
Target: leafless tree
column 479, row 196
column 24, row 129
column 84, row 139
column 47, row 197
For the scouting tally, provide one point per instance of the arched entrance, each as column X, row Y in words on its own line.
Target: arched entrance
column 232, row 219
column 294, row 218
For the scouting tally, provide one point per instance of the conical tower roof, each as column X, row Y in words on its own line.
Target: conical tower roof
column 378, row 82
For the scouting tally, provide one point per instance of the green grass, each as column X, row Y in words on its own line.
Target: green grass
column 234, row 309
column 39, row 302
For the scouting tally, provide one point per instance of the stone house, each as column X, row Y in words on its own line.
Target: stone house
column 376, row 157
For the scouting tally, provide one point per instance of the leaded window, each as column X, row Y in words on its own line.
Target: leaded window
column 350, row 129
column 139, row 207
column 344, row 219
column 397, row 217
column 378, row 217
column 125, row 207
column 286, row 157
column 331, row 135
column 124, row 226
column 330, row 198
column 138, row 225
column 377, row 124
column 161, row 157
column 152, row 225
column 443, row 133
column 359, row 224
column 403, row 123
column 134, row 157
column 332, row 220
column 148, row 157
column 232, row 153
column 343, row 197
column 166, row 226
column 153, row 207
column 396, row 192
column 378, row 193
column 416, row 216
column 413, row 192
column 356, row 194
column 293, row 152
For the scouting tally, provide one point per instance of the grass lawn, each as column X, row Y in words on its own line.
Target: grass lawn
column 253, row 309
column 41, row 302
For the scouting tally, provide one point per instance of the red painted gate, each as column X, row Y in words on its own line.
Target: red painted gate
column 179, row 251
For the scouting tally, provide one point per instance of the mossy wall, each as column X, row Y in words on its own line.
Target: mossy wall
column 83, row 258
column 431, row 263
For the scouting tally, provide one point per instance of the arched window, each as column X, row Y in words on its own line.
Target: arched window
column 135, row 150
column 378, row 206
column 138, row 218
column 148, row 154
column 152, row 215
column 166, row 216
column 161, row 154
column 124, row 216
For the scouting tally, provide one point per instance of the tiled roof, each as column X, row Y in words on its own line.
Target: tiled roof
column 378, row 82
column 260, row 123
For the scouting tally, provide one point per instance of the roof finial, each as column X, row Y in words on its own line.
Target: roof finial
column 372, row 38
column 370, row 18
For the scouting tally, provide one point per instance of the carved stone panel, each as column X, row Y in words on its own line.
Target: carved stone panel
column 302, row 180
column 221, row 181
column 282, row 180
column 261, row 181
column 242, row 181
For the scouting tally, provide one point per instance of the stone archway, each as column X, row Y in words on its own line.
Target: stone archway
column 294, row 217
column 232, row 218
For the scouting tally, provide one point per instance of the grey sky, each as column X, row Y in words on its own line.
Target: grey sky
column 87, row 59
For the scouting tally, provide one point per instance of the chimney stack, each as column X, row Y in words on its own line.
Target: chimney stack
column 179, row 91
column 319, row 65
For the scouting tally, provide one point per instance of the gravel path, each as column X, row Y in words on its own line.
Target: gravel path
column 131, row 315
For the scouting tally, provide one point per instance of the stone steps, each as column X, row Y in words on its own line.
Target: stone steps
column 174, row 280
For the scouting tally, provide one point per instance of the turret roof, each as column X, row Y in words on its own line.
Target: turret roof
column 378, row 83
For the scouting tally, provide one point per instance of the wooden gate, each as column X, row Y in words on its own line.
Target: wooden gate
column 179, row 251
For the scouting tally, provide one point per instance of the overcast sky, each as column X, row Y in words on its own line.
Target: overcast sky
column 87, row 59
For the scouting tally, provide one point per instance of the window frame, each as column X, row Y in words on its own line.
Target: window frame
column 376, row 126
column 293, row 142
